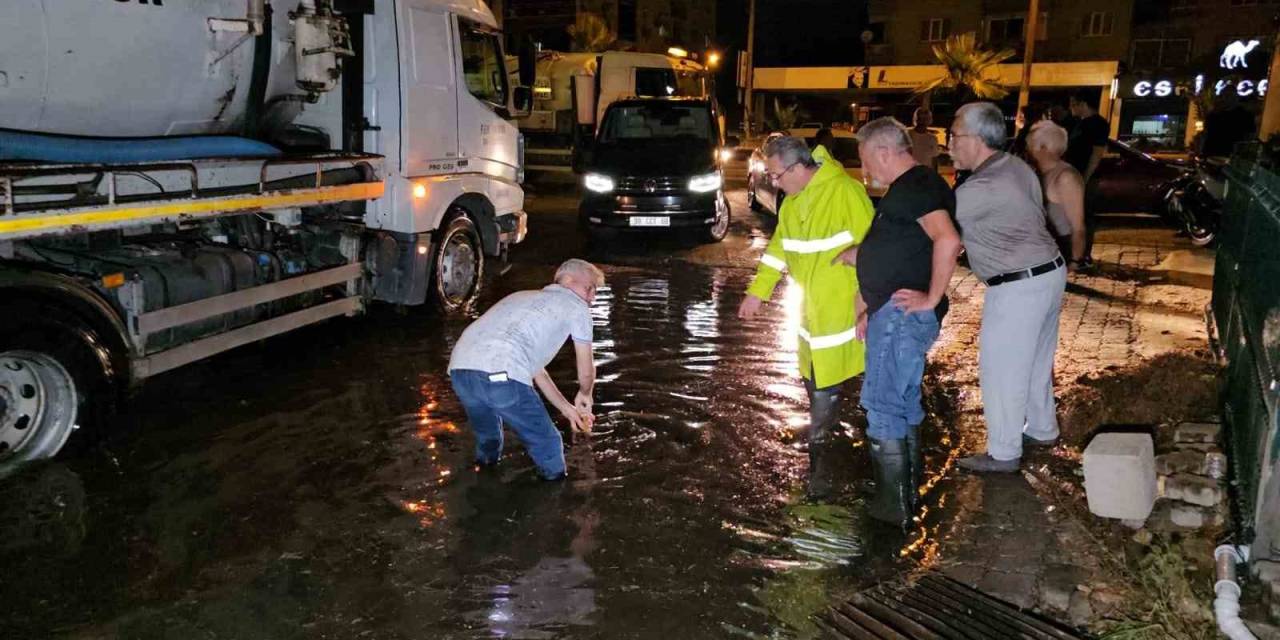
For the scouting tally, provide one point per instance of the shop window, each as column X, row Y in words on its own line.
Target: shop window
column 935, row 29
column 1098, row 23
column 1013, row 28
column 1005, row 29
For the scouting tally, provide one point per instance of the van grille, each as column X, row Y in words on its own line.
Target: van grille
column 660, row 184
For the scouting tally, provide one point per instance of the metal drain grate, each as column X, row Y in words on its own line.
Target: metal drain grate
column 935, row 607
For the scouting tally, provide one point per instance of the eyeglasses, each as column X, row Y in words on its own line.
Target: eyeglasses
column 774, row 177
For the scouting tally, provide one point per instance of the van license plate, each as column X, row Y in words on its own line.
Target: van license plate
column 650, row 221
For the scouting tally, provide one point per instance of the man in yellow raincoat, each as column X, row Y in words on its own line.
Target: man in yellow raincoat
column 825, row 215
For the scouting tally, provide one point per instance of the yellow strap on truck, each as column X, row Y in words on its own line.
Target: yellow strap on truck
column 89, row 218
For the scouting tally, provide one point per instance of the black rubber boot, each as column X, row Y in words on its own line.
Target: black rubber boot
column 824, row 417
column 916, row 458
column 893, row 501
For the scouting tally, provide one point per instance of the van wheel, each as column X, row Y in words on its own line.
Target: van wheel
column 50, row 383
column 458, row 265
column 720, row 228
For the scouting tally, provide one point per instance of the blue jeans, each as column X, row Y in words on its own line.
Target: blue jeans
column 489, row 404
column 896, row 346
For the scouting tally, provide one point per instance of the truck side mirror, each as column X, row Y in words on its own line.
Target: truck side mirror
column 522, row 101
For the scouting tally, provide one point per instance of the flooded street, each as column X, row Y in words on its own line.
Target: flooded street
column 319, row 485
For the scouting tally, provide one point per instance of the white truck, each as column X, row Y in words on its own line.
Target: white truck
column 572, row 90
column 178, row 178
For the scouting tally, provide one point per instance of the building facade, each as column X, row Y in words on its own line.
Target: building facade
column 639, row 25
column 903, row 33
column 1187, row 57
column 1080, row 44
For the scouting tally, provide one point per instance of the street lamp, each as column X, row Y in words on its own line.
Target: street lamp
column 713, row 59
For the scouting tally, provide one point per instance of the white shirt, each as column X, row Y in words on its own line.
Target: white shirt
column 522, row 333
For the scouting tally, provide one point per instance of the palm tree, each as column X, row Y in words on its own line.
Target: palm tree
column 969, row 68
column 590, row 33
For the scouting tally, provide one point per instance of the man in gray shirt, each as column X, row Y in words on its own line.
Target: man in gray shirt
column 1006, row 236
column 502, row 356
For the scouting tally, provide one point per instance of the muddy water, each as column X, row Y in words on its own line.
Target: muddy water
column 320, row 486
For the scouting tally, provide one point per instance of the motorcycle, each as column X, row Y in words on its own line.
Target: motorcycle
column 1194, row 200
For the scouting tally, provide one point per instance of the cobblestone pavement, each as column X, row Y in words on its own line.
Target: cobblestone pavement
column 1008, row 535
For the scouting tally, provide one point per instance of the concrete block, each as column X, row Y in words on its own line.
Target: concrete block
column 1196, row 517
column 1120, row 475
column 1191, row 460
column 1197, row 432
column 1191, row 489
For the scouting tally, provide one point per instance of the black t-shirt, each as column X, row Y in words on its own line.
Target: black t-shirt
column 897, row 253
column 1085, row 135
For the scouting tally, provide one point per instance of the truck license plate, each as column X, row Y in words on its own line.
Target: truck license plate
column 650, row 221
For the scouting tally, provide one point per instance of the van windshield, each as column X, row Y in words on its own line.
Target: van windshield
column 672, row 123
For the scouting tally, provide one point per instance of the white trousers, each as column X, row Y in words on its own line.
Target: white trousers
column 1015, row 361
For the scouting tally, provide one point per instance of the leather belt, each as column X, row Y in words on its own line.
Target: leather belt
column 1026, row 273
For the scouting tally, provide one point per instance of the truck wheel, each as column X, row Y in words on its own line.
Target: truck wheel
column 38, row 406
column 458, row 266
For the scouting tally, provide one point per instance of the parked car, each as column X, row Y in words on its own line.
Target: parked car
column 763, row 195
column 656, row 164
column 1130, row 181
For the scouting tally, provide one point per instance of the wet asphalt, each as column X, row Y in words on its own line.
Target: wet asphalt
column 319, row 485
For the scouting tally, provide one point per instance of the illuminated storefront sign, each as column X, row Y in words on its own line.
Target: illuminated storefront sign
column 1240, row 70
column 1166, row 88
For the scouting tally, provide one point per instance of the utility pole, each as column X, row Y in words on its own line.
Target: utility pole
column 1028, row 54
column 749, row 107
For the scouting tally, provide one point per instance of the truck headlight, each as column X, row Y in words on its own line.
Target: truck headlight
column 709, row 182
column 597, row 183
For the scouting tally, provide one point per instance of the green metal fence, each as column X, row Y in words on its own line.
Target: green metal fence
column 1246, row 314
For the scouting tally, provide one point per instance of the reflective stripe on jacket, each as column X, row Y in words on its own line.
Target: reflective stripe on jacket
column 831, row 213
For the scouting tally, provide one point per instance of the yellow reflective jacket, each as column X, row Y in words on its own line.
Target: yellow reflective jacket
column 830, row 214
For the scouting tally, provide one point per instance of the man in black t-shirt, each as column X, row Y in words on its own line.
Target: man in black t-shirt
column 1085, row 146
column 904, row 267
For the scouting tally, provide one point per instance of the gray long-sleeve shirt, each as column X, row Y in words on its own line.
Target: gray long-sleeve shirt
column 1000, row 209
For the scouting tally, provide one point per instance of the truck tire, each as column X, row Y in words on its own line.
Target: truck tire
column 458, row 265
column 720, row 228
column 51, row 382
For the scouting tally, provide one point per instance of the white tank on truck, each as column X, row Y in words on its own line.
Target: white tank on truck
column 160, row 67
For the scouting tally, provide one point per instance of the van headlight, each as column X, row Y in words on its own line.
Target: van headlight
column 598, row 183
column 709, row 182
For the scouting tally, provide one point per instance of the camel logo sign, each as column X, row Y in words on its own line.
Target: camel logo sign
column 1233, row 56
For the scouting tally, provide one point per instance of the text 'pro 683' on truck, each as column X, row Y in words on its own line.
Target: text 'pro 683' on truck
column 181, row 178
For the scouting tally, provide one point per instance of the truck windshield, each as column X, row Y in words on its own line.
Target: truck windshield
column 657, row 123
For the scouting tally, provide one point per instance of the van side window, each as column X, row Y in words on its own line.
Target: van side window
column 482, row 67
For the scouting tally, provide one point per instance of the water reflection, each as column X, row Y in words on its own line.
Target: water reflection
column 337, row 495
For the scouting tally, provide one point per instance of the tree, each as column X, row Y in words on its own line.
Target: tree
column 589, row 33
column 968, row 69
